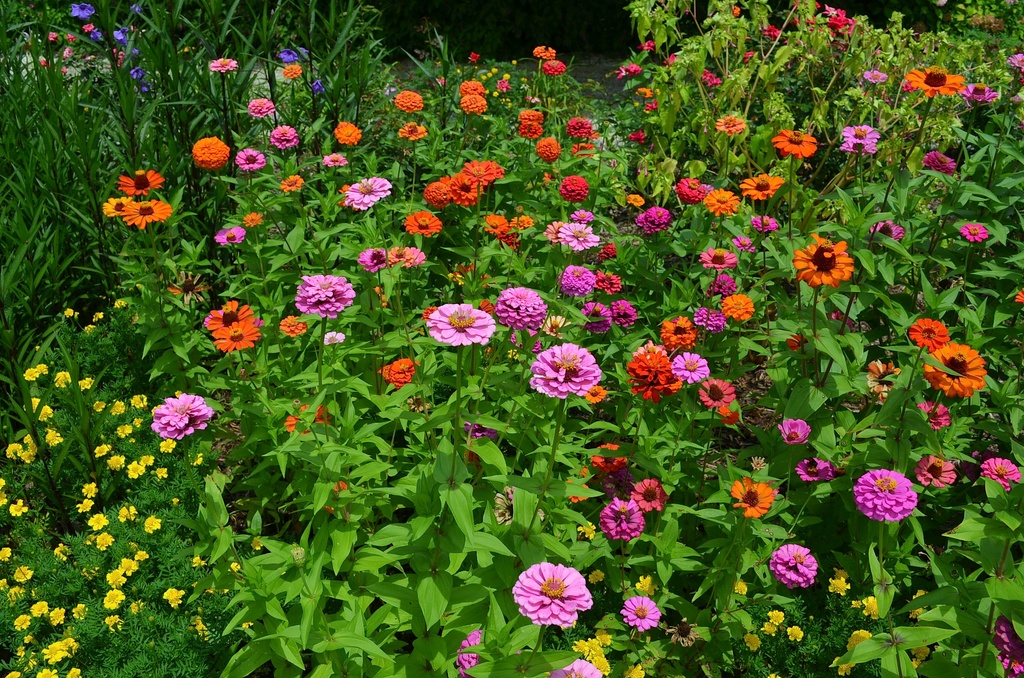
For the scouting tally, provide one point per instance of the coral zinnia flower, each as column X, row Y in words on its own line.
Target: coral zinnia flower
column 823, row 263
column 463, row 190
column 293, row 327
column 968, row 371
column 412, row 131
column 230, row 314
column 596, row 394
column 716, row 393
column 796, row 144
column 738, row 307
column 929, row 334
column 236, row 337
column 730, row 124
column 399, row 373
column 754, row 498
column 761, row 187
column 679, row 333
column 721, row 202
column 408, row 101
column 934, row 80
column 934, row 471
column 114, row 207
column 649, row 495
column 422, row 223
column 141, row 183
column 651, row 375
column 146, row 212
column 483, row 173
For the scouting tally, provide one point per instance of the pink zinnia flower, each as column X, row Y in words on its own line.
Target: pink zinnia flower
column 622, row 520
column 1003, row 471
column 579, row 237
column 979, row 94
column 690, row 367
column 938, row 414
column 366, row 193
column 743, row 244
column 887, row 227
column 861, row 139
column 938, row 162
column 223, row 65
column 230, row 236
column 520, row 308
column 815, row 470
column 261, row 108
column 641, row 613
column 793, row 566
column 974, row 232
column 550, row 594
column 934, row 471
column 794, row 431
column 554, row 232
column 181, row 416
column 373, row 260
column 284, row 137
column 875, row 77
column 564, row 369
column 335, row 160
column 331, row 338
column 580, row 668
column 406, row 257
column 250, row 160
column 577, row 281
column 764, row 224
column 324, row 295
column 718, row 259
column 460, row 325
column 467, row 660
column 649, row 495
column 884, row 495
column 715, row 393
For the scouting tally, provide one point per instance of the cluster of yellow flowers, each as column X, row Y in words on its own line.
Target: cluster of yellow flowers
column 25, row 450
column 33, row 373
column 593, row 650
column 838, row 584
column 774, row 624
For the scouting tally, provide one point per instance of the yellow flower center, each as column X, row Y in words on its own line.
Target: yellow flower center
column 553, row 588
column 886, row 484
column 461, row 320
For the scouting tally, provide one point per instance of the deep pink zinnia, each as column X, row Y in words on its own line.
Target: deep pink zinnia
column 284, row 137
column 794, row 566
column 460, row 325
column 718, row 259
column 934, row 471
column 974, row 232
column 794, row 431
column 939, row 162
column 1003, row 471
column 363, row 195
column 250, row 160
column 622, row 520
column 580, row 668
column 649, row 495
column 373, row 259
column 860, row 139
column 884, row 495
column 223, row 65
column 715, row 393
column 641, row 613
column 324, row 295
column 261, row 108
column 550, row 594
column 230, row 236
column 938, row 414
column 520, row 308
column 467, row 660
column 816, row 470
column 564, row 369
column 181, row 416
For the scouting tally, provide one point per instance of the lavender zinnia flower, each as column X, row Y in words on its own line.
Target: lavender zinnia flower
column 979, row 94
column 710, row 319
column 875, row 77
column 250, row 160
column 324, row 295
column 363, row 195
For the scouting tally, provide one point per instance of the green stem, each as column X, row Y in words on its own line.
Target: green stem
column 559, row 419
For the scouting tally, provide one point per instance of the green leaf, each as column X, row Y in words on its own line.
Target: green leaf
column 433, row 593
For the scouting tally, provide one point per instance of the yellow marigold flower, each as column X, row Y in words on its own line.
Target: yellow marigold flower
column 61, row 552
column 235, row 567
column 173, row 597
column 141, row 555
column 124, row 431
column 147, row 460
column 857, row 637
column 634, row 671
column 88, row 329
column 776, row 617
column 116, row 579
column 120, row 303
column 85, row 506
column 31, row 374
column 18, row 508
column 197, row 561
column 168, row 445
column 602, row 665
column 161, row 473
column 53, row 438
column 79, row 611
column 129, row 566
column 62, row 379
column 45, row 412
column 838, row 586
column 5, row 554
column 22, row 622
column 89, row 490
column 127, row 513
column 14, row 450
column 740, row 588
column 587, row 531
column 595, row 576
column 103, row 541
column 137, row 606
column 753, row 641
column 101, row 450
column 135, row 470
column 47, row 673
column 198, row 461
column 15, row 593
column 23, row 574
column 57, row 615
column 646, row 586
column 870, row 607
column 113, row 599
column 603, row 638
column 256, row 544
column 795, row 633
column 152, row 524
column 40, row 608
column 98, row 522
column 118, row 408
column 85, row 384
column 116, row 463
column 113, row 622
column 769, row 628
column 99, row 406
column 69, row 312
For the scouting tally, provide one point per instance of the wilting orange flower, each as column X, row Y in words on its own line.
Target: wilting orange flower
column 146, row 212
column 292, row 326
column 347, row 134
column 140, row 183
column 530, row 130
column 881, row 378
column 580, row 150
column 114, row 207
column 292, row 183
column 730, row 124
column 428, row 311
column 229, row 314
column 823, row 263
column 795, row 341
column 635, row 200
column 721, row 202
column 483, row 173
column 650, row 375
column 761, row 187
column 548, row 149
column 1020, row 297
column 422, row 223
column 738, row 307
column 463, row 190
column 796, row 144
column 754, row 498
column 544, row 53
column 189, row 287
column 210, row 153
column 521, row 222
column 679, row 333
column 236, row 337
column 472, row 88
column 322, row 417
column 530, row 115
column 968, row 371
column 252, row 220
column 934, row 80
column 929, row 334
column 408, row 101
column 412, row 131
column 437, row 193
column 291, row 71
column 473, row 104
column 596, row 394
column 399, row 373
column 728, row 416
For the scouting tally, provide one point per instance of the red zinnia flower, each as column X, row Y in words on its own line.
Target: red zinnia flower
column 716, row 393
column 651, row 375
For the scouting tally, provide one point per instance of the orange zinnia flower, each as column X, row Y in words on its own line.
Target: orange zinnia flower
column 322, row 417
column 408, row 101
column 968, row 371
column 761, row 187
column 210, row 153
column 544, row 53
column 422, row 223
column 823, row 263
column 252, row 219
column 738, row 307
column 721, row 202
column 115, row 206
column 548, row 149
column 146, row 212
column 292, row 183
column 934, row 80
column 291, row 71
column 292, row 326
column 679, row 333
column 463, row 190
column 412, row 131
column 473, row 104
column 1020, row 297
column 730, row 124
column 347, row 134
column 483, row 173
column 472, row 88
column 596, row 394
column 228, row 315
column 608, row 464
column 796, row 144
column 236, row 337
column 437, row 194
column 399, row 373
column 754, row 498
column 531, row 116
column 651, row 376
column 530, row 130
column 141, row 183
column 929, row 334
column 728, row 416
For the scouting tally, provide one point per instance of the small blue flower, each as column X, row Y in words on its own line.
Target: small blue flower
column 121, row 36
column 135, row 51
column 82, row 11
column 137, row 73
column 96, row 36
column 288, row 56
column 317, row 86
column 136, row 9
column 143, row 86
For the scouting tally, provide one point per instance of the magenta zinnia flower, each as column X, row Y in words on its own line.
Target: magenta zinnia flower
column 938, row 162
column 324, row 295
column 622, row 520
column 520, row 308
column 764, row 224
column 181, row 416
column 934, row 471
column 460, row 325
column 862, row 139
column 715, row 393
column 938, row 414
column 654, row 219
column 550, row 594
column 250, row 160
column 884, row 495
column 261, row 108
column 564, row 369
column 815, row 470
column 229, row 236
column 794, row 566
column 718, row 259
column 887, row 227
column 690, row 367
column 974, row 232
column 1009, row 644
column 649, row 495
column 578, row 281
column 641, row 613
column 579, row 237
column 284, row 137
column 794, row 431
column 580, row 668
column 1003, row 471
column 363, row 195
column 582, row 216
column 978, row 94
column 467, row 660
column 599, row 317
column 623, row 313
column 723, row 285
column 373, row 259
